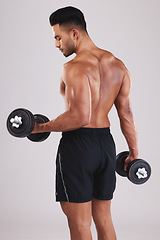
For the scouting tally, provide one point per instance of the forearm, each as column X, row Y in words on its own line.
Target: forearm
column 129, row 131
column 65, row 122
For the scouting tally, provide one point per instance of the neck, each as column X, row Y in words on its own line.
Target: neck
column 84, row 43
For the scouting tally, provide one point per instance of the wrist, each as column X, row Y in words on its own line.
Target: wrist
column 41, row 127
column 133, row 153
column 38, row 128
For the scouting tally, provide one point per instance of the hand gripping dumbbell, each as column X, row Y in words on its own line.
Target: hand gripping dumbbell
column 20, row 123
column 138, row 171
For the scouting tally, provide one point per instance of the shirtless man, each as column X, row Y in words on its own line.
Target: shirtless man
column 85, row 165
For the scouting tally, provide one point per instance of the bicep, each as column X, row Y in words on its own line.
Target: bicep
column 122, row 102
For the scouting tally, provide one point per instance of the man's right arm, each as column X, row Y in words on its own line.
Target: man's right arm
column 127, row 123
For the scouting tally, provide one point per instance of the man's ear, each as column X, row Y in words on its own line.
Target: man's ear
column 75, row 33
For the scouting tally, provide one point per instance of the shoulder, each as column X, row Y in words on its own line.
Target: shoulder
column 74, row 73
column 123, row 71
column 119, row 64
column 110, row 59
column 112, row 63
column 74, row 69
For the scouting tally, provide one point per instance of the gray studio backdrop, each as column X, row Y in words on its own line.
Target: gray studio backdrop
column 30, row 72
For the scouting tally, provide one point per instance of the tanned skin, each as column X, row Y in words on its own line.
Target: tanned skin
column 91, row 83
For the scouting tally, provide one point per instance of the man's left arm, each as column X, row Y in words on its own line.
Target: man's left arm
column 78, row 95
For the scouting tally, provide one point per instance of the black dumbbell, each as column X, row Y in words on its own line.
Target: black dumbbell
column 138, row 171
column 20, row 123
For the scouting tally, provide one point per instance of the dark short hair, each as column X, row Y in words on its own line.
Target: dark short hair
column 68, row 16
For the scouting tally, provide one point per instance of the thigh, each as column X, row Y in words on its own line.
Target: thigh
column 101, row 211
column 78, row 213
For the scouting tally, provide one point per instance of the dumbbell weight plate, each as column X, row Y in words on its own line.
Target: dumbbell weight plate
column 39, row 137
column 120, row 158
column 132, row 169
column 27, row 123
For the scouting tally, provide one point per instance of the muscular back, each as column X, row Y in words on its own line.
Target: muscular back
column 104, row 73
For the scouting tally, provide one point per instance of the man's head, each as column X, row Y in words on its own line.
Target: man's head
column 68, row 24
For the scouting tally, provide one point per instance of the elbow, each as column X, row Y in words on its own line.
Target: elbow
column 84, row 119
column 85, row 122
column 125, row 113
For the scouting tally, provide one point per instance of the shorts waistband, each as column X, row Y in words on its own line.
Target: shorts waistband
column 90, row 131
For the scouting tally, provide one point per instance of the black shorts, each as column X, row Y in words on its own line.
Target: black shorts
column 85, row 165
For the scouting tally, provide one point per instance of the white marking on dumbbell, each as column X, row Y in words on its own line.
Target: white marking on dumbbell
column 16, row 121
column 141, row 173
